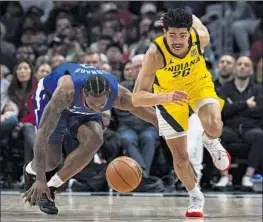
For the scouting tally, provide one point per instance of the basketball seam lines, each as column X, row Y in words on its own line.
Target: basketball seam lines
column 131, row 168
column 121, row 176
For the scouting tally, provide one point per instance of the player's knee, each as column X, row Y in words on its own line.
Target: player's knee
column 213, row 126
column 96, row 139
column 91, row 140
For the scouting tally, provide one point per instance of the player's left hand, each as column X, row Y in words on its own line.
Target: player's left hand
column 34, row 193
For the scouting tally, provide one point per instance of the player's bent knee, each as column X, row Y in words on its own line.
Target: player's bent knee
column 213, row 126
column 94, row 142
column 91, row 139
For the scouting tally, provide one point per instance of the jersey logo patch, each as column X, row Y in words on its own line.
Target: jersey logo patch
column 193, row 52
column 171, row 61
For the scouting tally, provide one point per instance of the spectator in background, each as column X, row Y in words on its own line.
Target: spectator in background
column 156, row 30
column 115, row 57
column 7, row 48
column 26, row 53
column 42, row 59
column 9, row 110
column 12, row 20
column 226, row 66
column 148, row 10
column 21, row 90
column 42, row 70
column 81, row 35
column 92, row 58
column 79, row 58
column 101, row 44
column 128, row 72
column 64, row 38
column 56, row 60
column 106, row 67
column 139, row 139
column 256, row 51
column 144, row 42
column 59, row 46
column 244, row 25
column 109, row 11
column 46, row 5
column 41, row 44
column 259, row 72
column 242, row 116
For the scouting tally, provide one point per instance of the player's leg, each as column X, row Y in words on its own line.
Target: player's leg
column 53, row 157
column 208, row 107
column 195, row 144
column 90, row 137
column 53, row 154
column 173, row 124
column 89, row 132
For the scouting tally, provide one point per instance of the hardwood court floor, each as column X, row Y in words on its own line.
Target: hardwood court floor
column 81, row 207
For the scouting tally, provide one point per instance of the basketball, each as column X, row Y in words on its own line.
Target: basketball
column 124, row 174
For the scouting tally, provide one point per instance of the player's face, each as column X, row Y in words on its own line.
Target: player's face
column 244, row 68
column 226, row 65
column 96, row 103
column 23, row 72
column 177, row 39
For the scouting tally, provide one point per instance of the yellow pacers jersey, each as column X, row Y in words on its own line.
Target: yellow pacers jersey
column 178, row 72
column 188, row 74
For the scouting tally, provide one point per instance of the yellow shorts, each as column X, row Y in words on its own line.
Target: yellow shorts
column 173, row 118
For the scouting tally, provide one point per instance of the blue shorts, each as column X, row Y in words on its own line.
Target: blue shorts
column 68, row 123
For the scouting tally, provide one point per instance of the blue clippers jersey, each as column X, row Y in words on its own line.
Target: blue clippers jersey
column 79, row 74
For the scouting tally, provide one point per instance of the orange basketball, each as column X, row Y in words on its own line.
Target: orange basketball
column 123, row 174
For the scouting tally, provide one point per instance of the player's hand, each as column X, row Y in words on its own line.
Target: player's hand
column 251, row 102
column 178, row 97
column 34, row 193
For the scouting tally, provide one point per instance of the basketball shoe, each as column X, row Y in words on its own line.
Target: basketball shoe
column 45, row 204
column 196, row 206
column 221, row 158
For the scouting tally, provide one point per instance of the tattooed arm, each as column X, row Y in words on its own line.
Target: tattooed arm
column 61, row 99
column 124, row 102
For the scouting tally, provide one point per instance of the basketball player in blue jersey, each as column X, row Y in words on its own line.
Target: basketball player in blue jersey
column 70, row 100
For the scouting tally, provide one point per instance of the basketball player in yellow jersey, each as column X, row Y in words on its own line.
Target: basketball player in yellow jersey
column 175, row 67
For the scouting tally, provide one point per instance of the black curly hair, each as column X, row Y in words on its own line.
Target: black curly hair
column 177, row 18
column 96, row 86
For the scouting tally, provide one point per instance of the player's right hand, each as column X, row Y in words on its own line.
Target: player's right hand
column 178, row 97
column 34, row 193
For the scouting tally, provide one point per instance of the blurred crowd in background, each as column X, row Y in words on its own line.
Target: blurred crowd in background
column 37, row 36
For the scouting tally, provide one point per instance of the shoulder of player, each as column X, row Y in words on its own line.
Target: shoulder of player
column 66, row 86
column 154, row 55
column 154, row 51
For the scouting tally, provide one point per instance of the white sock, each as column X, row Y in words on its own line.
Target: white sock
column 196, row 192
column 206, row 139
column 55, row 181
column 29, row 169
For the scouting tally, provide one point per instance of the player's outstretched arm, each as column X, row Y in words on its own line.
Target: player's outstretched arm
column 202, row 32
column 124, row 102
column 61, row 99
column 142, row 96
